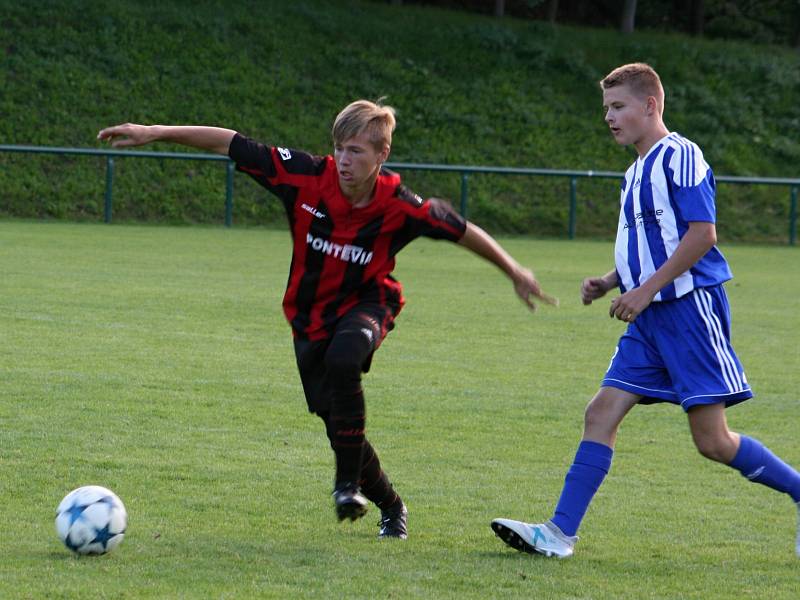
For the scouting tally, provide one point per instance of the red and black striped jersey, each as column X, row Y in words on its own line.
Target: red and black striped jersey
column 342, row 256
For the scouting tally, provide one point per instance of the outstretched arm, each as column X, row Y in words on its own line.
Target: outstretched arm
column 525, row 284
column 213, row 139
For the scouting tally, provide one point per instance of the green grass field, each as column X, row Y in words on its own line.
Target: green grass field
column 156, row 361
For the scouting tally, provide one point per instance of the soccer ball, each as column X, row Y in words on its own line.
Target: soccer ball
column 91, row 520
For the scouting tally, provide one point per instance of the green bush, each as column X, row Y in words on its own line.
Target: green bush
column 468, row 89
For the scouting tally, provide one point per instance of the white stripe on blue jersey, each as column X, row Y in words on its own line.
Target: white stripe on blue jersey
column 671, row 186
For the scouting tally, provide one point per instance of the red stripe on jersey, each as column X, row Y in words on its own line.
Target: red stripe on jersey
column 306, row 211
column 330, row 282
column 250, row 171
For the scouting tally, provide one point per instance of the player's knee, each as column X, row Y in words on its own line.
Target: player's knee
column 596, row 415
column 342, row 367
column 344, row 358
column 713, row 448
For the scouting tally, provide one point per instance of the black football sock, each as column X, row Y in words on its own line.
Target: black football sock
column 375, row 485
column 374, row 482
column 347, row 439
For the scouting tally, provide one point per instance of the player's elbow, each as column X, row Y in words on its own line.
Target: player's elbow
column 711, row 236
column 705, row 233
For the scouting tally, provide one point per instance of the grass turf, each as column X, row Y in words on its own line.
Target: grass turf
column 156, row 361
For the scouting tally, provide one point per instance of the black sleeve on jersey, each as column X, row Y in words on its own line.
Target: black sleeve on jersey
column 433, row 218
column 297, row 162
column 252, row 158
column 438, row 211
column 256, row 159
column 406, row 195
column 442, row 211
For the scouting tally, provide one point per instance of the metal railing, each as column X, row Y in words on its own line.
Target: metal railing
column 110, row 154
column 463, row 170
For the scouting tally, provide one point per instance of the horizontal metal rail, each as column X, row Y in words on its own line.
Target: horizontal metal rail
column 98, row 152
column 463, row 170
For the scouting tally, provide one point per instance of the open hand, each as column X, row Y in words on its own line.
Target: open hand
column 525, row 285
column 128, row 134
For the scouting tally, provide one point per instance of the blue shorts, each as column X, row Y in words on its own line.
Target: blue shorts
column 679, row 351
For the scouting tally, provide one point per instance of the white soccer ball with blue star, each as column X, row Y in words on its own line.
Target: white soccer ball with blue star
column 91, row 520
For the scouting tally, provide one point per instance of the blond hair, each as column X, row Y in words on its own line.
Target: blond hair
column 641, row 78
column 362, row 115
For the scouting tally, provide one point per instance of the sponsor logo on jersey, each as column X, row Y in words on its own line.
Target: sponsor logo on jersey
column 406, row 194
column 285, row 153
column 645, row 217
column 348, row 253
column 312, row 210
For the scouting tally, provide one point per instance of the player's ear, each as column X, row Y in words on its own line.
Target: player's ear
column 384, row 154
column 651, row 106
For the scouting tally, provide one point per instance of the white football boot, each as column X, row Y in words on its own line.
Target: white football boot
column 541, row 538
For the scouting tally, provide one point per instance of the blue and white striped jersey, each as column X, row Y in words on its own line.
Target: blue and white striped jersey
column 662, row 193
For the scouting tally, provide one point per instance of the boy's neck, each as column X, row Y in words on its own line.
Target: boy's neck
column 648, row 141
column 362, row 195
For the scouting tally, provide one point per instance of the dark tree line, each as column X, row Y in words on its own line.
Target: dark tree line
column 761, row 21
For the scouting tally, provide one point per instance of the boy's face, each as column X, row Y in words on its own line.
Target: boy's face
column 627, row 114
column 357, row 161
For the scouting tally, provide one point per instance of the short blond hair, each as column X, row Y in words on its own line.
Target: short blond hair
column 362, row 115
column 641, row 78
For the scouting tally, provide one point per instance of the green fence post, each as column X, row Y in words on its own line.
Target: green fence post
column 573, row 207
column 793, row 217
column 109, row 188
column 229, row 194
column 464, row 177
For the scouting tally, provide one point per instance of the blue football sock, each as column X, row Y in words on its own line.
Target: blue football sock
column 591, row 465
column 755, row 461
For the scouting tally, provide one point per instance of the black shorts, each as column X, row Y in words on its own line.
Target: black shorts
column 373, row 321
